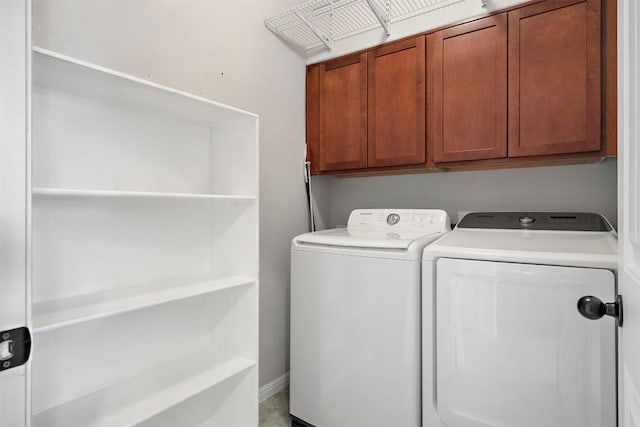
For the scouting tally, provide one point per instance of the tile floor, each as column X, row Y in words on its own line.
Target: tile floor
column 274, row 412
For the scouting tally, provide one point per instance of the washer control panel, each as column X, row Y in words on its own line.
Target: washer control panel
column 559, row 221
column 423, row 220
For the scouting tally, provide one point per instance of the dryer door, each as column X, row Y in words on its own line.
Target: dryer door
column 512, row 349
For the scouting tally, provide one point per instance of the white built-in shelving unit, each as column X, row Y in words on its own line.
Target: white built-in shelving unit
column 144, row 252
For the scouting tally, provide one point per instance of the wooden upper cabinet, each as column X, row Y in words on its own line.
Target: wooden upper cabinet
column 342, row 113
column 518, row 88
column 554, row 78
column 469, row 66
column 396, row 110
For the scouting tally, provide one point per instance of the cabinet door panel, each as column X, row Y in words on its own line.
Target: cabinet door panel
column 343, row 114
column 554, row 78
column 396, row 113
column 470, row 91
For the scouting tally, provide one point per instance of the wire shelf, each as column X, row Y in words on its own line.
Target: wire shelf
column 319, row 22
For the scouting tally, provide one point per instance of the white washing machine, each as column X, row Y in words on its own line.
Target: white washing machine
column 355, row 319
column 504, row 343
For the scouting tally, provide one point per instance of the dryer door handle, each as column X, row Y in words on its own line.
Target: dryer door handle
column 593, row 308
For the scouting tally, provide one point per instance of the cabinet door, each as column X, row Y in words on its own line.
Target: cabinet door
column 343, row 113
column 396, row 111
column 470, row 91
column 554, row 78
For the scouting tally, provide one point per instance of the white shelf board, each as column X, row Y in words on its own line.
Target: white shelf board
column 62, row 192
column 55, row 314
column 316, row 23
column 58, row 72
column 138, row 399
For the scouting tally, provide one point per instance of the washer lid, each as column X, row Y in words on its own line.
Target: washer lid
column 362, row 238
column 383, row 229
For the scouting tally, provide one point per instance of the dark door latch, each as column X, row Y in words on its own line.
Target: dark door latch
column 15, row 348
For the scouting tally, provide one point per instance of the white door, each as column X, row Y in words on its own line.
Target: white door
column 512, row 350
column 629, row 213
column 14, row 89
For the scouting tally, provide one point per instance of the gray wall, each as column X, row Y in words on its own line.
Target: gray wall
column 589, row 188
column 219, row 49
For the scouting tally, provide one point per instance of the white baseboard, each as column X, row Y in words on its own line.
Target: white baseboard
column 273, row 387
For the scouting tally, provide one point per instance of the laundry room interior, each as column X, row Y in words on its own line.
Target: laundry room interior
column 198, row 183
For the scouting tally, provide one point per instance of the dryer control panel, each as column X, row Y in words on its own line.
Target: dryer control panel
column 559, row 221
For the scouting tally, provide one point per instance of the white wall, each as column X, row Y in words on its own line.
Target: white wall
column 577, row 188
column 219, row 49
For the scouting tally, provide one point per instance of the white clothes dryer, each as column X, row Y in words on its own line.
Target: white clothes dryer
column 355, row 319
column 504, row 343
